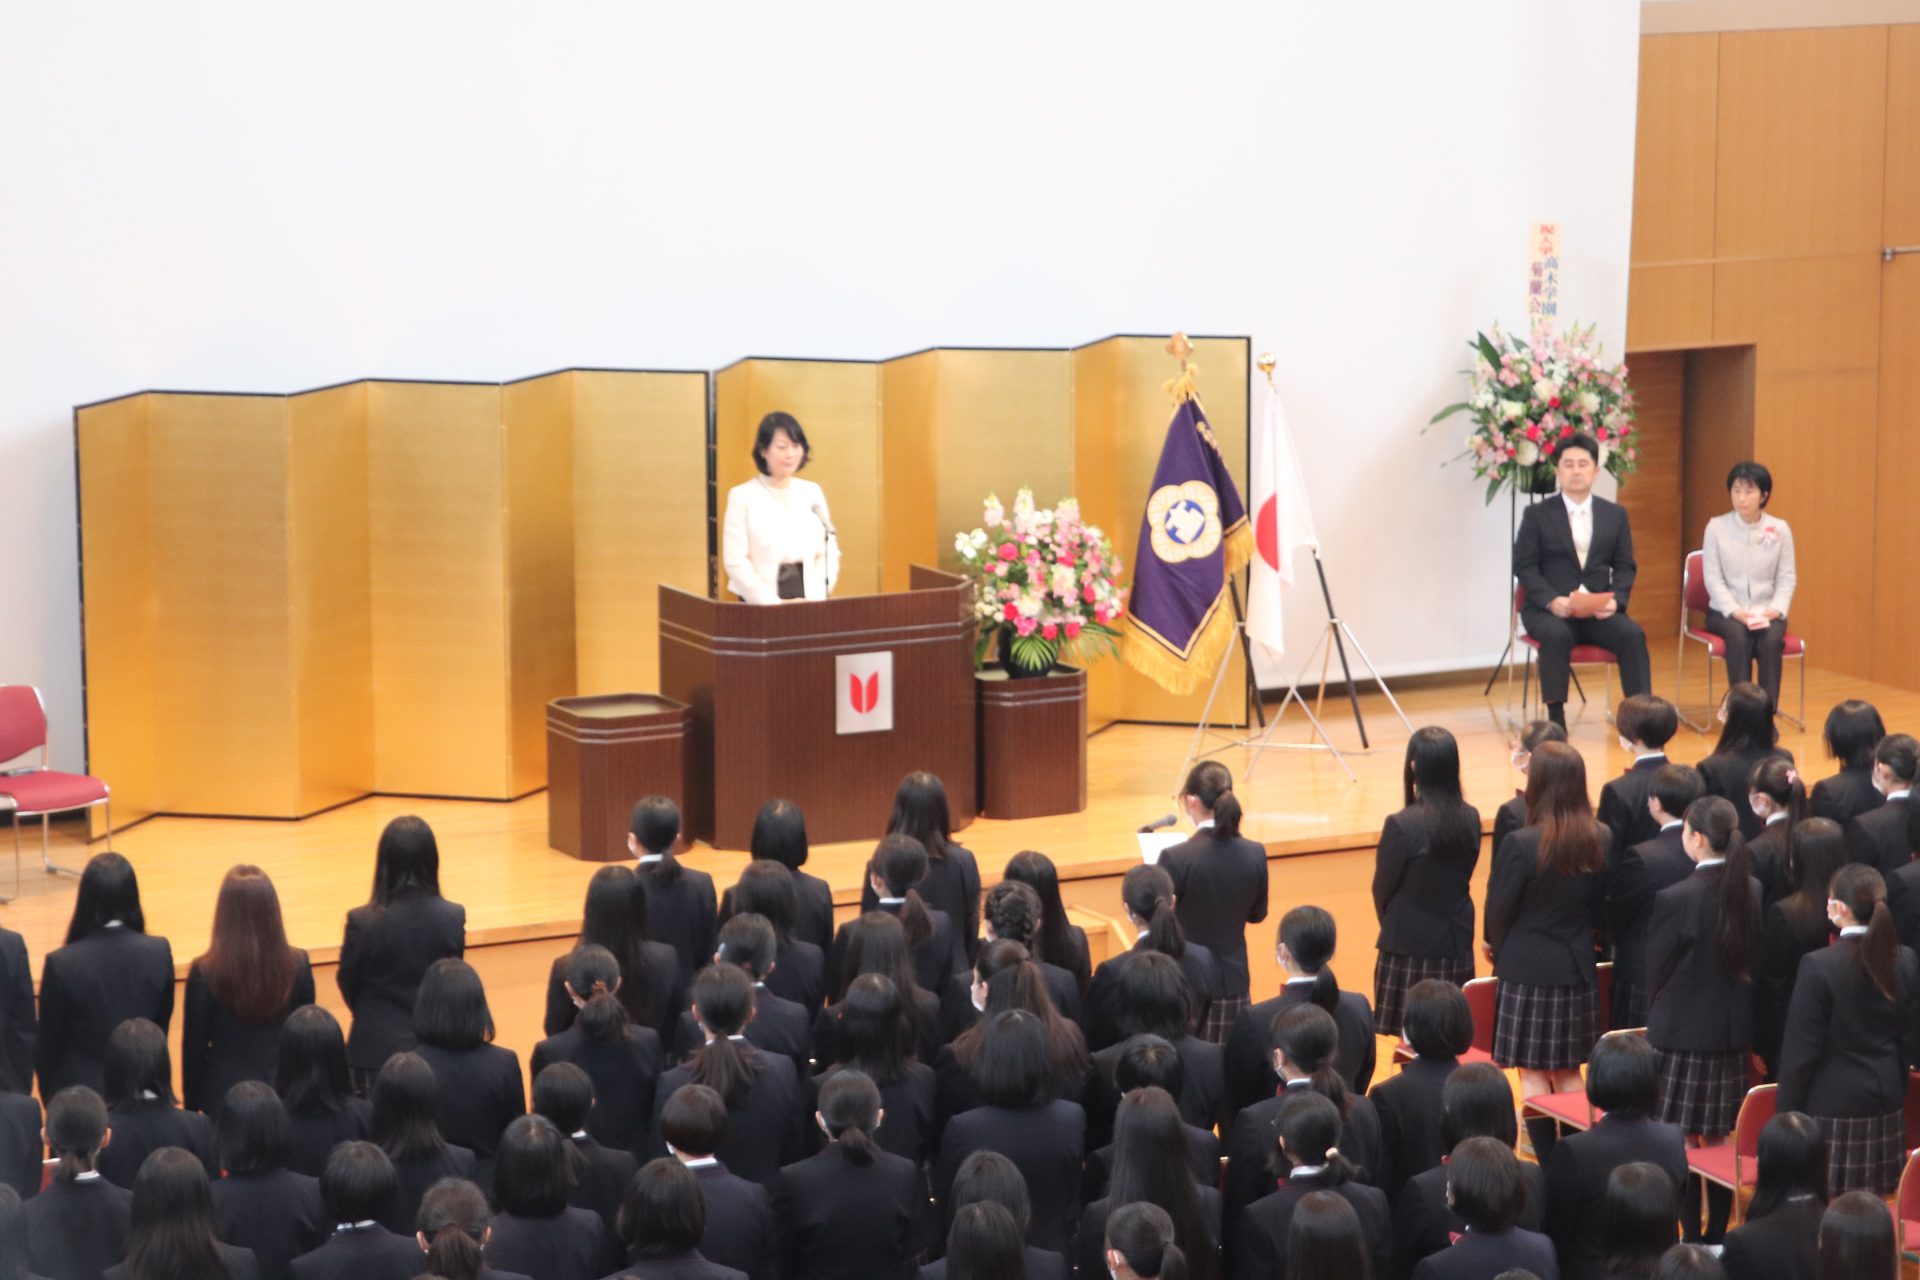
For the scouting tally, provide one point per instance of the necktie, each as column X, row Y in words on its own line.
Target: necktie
column 1582, row 534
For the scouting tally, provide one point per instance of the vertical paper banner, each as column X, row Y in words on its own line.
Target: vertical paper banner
column 1543, row 277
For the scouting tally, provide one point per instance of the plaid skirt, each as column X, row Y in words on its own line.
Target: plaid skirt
column 1863, row 1152
column 1545, row 1028
column 1220, row 1015
column 1701, row 1089
column 1394, row 975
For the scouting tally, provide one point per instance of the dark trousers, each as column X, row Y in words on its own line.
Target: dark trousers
column 1745, row 648
column 1557, row 636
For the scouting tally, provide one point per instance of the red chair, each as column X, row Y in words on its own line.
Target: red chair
column 1480, row 994
column 1603, row 979
column 1583, row 655
column 1736, row 1163
column 1572, row 1108
column 38, row 791
column 1912, row 1109
column 1693, row 599
column 1906, row 1207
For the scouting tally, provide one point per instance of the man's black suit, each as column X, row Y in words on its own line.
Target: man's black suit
column 1548, row 566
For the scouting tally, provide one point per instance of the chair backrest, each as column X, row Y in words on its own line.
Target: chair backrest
column 1693, row 588
column 1906, row 1202
column 1755, row 1110
column 1603, row 975
column 1912, row 1109
column 23, row 721
column 1482, row 996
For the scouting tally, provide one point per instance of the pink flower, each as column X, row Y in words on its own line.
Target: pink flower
column 1049, row 632
column 1089, row 594
column 1024, row 627
column 1008, row 551
column 1011, row 612
column 1073, row 628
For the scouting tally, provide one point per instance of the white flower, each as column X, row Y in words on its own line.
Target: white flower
column 995, row 514
column 1028, row 604
column 1606, row 451
column 1511, row 409
column 1526, row 453
column 1545, row 390
column 963, row 546
column 1589, row 403
column 1061, row 580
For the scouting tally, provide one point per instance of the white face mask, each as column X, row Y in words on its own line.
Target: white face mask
column 1626, row 743
column 978, row 995
column 1760, row 804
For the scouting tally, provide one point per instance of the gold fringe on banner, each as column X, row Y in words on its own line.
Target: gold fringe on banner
column 1156, row 658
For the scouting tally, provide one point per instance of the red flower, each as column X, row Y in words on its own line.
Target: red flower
column 1553, row 402
column 1533, row 432
column 1049, row 631
column 1073, row 628
column 1008, row 551
column 1012, row 612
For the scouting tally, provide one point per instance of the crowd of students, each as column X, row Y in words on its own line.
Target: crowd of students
column 729, row 1086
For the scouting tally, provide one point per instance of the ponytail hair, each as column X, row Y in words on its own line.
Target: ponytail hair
column 901, row 863
column 1308, row 1128
column 1147, row 893
column 1777, row 780
column 594, row 977
column 850, row 1108
column 1310, row 936
column 1715, row 820
column 454, row 1219
column 1142, row 1234
column 1211, row 784
column 722, row 999
column 1307, row 1035
column 1864, row 893
column 656, row 828
column 1014, row 981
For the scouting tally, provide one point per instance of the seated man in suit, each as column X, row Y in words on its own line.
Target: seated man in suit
column 1576, row 544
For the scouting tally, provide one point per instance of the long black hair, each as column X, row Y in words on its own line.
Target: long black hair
column 109, row 891
column 1053, row 942
column 406, row 1109
column 1638, row 1215
column 1716, row 821
column 172, row 1234
column 874, row 1033
column 13, row 1235
column 1014, row 981
column 723, row 1003
column 1430, row 778
column 1211, row 784
column 985, row 1244
column 877, row 943
column 1793, row 1162
column 1147, row 893
column 920, row 810
column 615, row 917
column 1749, row 725
column 311, row 1075
column 1864, row 893
column 766, row 888
column 1310, row 937
column 1150, row 1163
column 899, row 862
column 1324, row 1240
column 1816, row 849
column 407, row 861
column 1857, row 1240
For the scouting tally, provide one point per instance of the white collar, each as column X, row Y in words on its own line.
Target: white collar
column 1671, row 823
column 1776, row 817
column 1203, row 825
column 1704, row 863
column 1901, row 794
column 1301, row 982
column 1853, row 931
column 704, row 1162
column 645, row 858
column 88, row 1176
column 1573, row 506
column 148, row 1095
column 1307, row 1171
column 121, row 924
column 1649, row 755
column 362, row 1225
column 892, row 902
column 578, row 1134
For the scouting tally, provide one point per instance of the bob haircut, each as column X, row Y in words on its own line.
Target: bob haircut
column 1010, row 1069
column 780, row 834
column 663, row 1210
column 1484, row 1179
column 1755, row 474
column 137, row 1062
column 253, row 1131
column 779, row 420
column 530, row 1169
column 109, row 891
column 451, row 1010
column 987, row 1177
column 1623, row 1075
column 311, row 1072
column 1853, row 730
column 1477, row 1102
column 694, row 1120
column 1439, row 1022
column 358, row 1182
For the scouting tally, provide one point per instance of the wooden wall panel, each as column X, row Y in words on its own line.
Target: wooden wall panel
column 909, row 518
column 1901, row 221
column 1096, row 395
column 1669, row 306
column 537, row 432
column 1719, row 433
column 1673, row 150
column 1896, row 533
column 1652, row 494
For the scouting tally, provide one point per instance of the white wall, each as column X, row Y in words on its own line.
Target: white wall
column 269, row 197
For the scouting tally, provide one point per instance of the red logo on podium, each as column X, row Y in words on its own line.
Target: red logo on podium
column 864, row 696
column 863, row 692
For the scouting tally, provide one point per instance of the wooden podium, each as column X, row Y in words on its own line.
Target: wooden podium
column 826, row 703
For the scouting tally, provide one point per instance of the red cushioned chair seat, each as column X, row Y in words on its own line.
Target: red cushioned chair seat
column 1403, row 1053
column 49, row 791
column 1583, row 655
column 1567, row 1108
column 1715, row 1163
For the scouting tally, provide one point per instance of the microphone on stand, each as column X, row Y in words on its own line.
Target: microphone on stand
column 820, row 514
column 1158, row 824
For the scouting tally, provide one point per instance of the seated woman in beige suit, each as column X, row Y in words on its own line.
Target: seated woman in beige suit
column 1750, row 579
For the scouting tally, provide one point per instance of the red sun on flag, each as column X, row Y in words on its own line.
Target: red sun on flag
column 1266, row 533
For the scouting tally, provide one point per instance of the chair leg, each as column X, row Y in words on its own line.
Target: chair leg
column 1577, row 686
column 16, row 861
column 46, row 852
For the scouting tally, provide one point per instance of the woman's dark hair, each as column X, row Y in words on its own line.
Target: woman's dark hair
column 1477, row 1102
column 723, row 1002
column 357, row 1182
column 1142, row 1234
column 1689, row 1262
column 454, row 1219
column 1438, row 1021
column 1754, row 474
column 780, row 835
column 1900, row 753
column 1150, row 1163
column 1484, row 1177
column 1149, row 1060
column 108, row 891
column 136, row 1061
column 874, row 1034
column 984, row 1244
column 172, row 1235
column 593, row 977
column 656, row 826
column 1013, row 981
column 747, row 941
column 663, row 1211
column 987, row 1177
column 76, row 1125
column 13, row 1235
column 1623, row 1075
column 1013, row 910
column 450, row 1012
column 252, row 1131
column 1557, row 803
column 615, row 917
column 1310, row 1039
column 1324, row 1241
column 1010, row 1067
column 407, row 861
column 1211, row 784
column 1853, row 730
column 1749, row 725
column 1640, row 1216
column 1716, row 821
column 850, row 1108
column 1777, row 780
column 248, row 966
column 920, row 810
column 1815, row 850
column 765, row 888
column 695, row 1120
column 1430, row 778
column 531, row 1171
column 1856, row 1239
column 1793, row 1162
column 1054, row 941
column 779, row 421
column 406, row 1109
column 877, row 943
column 1860, row 888
column 1154, row 998
column 311, row 1072
column 1147, row 893
column 1647, row 718
column 1308, row 1128
column 1310, row 937
column 900, row 863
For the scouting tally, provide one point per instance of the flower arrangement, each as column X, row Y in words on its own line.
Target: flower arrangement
column 1042, row 579
column 1528, row 396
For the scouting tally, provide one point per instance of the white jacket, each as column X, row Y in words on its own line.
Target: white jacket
column 766, row 527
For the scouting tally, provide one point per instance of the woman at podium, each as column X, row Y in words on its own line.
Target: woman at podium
column 777, row 541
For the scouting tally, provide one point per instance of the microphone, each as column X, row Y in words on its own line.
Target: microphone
column 820, row 513
column 1159, row 823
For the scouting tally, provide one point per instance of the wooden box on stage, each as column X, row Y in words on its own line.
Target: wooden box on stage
column 1033, row 743
column 826, row 703
column 603, row 754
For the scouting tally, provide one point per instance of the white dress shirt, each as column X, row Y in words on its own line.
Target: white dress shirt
column 1580, row 520
column 767, row 527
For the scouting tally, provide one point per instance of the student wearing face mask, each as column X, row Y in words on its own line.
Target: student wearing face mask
column 1879, row 837
column 1644, row 870
column 1779, row 799
column 1747, row 736
column 1512, row 815
column 1646, row 723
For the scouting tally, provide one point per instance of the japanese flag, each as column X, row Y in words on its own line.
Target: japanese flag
column 1282, row 523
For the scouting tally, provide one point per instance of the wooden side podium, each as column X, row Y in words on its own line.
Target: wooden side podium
column 789, row 701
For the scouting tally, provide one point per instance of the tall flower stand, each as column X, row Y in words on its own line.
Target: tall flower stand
column 1032, row 742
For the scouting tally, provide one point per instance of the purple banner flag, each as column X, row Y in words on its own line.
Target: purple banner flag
column 1193, row 535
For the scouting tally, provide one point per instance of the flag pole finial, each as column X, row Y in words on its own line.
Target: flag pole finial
column 1266, row 364
column 1181, row 386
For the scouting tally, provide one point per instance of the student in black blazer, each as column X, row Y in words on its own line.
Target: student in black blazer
column 1476, row 1103
column 1146, row 892
column 19, row 1024
column 535, row 1231
column 13, row 1237
column 1485, row 1188
column 1903, row 887
column 853, row 1211
column 1646, row 722
column 1794, row 926
column 799, row 969
column 77, row 1226
column 1423, row 878
column 1641, row 872
column 1777, row 797
column 779, row 1025
column 1877, row 837
column 780, row 835
column 108, row 971
column 452, row 1228
column 261, row 1204
column 1853, row 730
column 1747, row 736
column 240, row 992
column 1623, row 1081
column 989, row 1178
column 141, row 1113
column 481, row 1088
column 406, row 1108
column 899, row 863
column 986, row 1241
column 392, row 941
column 652, row 988
column 171, row 1231
column 664, row 1222
column 1635, row 1217
column 1219, row 888
column 1307, row 1130
column 1575, row 544
column 20, row 1145
column 1012, row 911
column 312, row 1079
column 681, row 908
column 1150, row 1165
column 871, row 1040
column 952, row 883
column 877, row 943
column 1059, row 941
column 1779, row 1237
column 1153, row 995
column 356, row 1187
column 623, row 1061
column 564, row 1095
column 1512, row 814
column 1006, row 978
column 1304, row 951
column 1149, row 1061
column 1439, row 1028
column 739, row 1230
column 1852, row 1032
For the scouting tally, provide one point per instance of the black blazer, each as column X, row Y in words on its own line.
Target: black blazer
column 1691, row 1001
column 1846, row 795
column 481, row 1093
column 1090, row 1242
column 141, row 1130
column 923, row 1021
column 1846, row 1048
column 1103, row 1014
column 955, row 1092
column 666, row 994
column 1424, row 1223
column 1769, row 850
column 1255, row 1136
column 1509, row 818
column 763, row 1132
column 1042, row 1264
column 89, row 987
column 1260, row 1242
column 603, row 1181
column 571, row 1245
column 412, row 1177
column 779, row 1026
column 812, row 915
column 909, row 1127
column 799, row 974
column 1577, row 1172
column 932, row 959
column 682, row 913
column 1784, row 1245
column 956, row 1001
column 235, row 1264
column 20, row 1146
column 316, row 1134
column 76, row 1230
column 19, row 1024
column 1408, row 1104
column 383, row 957
column 1784, row 940
column 739, row 1222
column 953, row 886
column 694, row 1265
column 1046, row 1142
column 1250, row 1074
column 1219, row 887
column 368, row 1253
column 1547, row 564
column 278, row 1215
column 1203, row 1161
column 1642, row 871
column 1877, row 837
column 1424, row 904
column 1541, row 926
column 1727, row 773
column 624, row 1073
column 218, row 1051
column 1482, row 1257
column 1623, row 806
column 837, row 1220
column 1203, row 1088
column 1903, row 898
